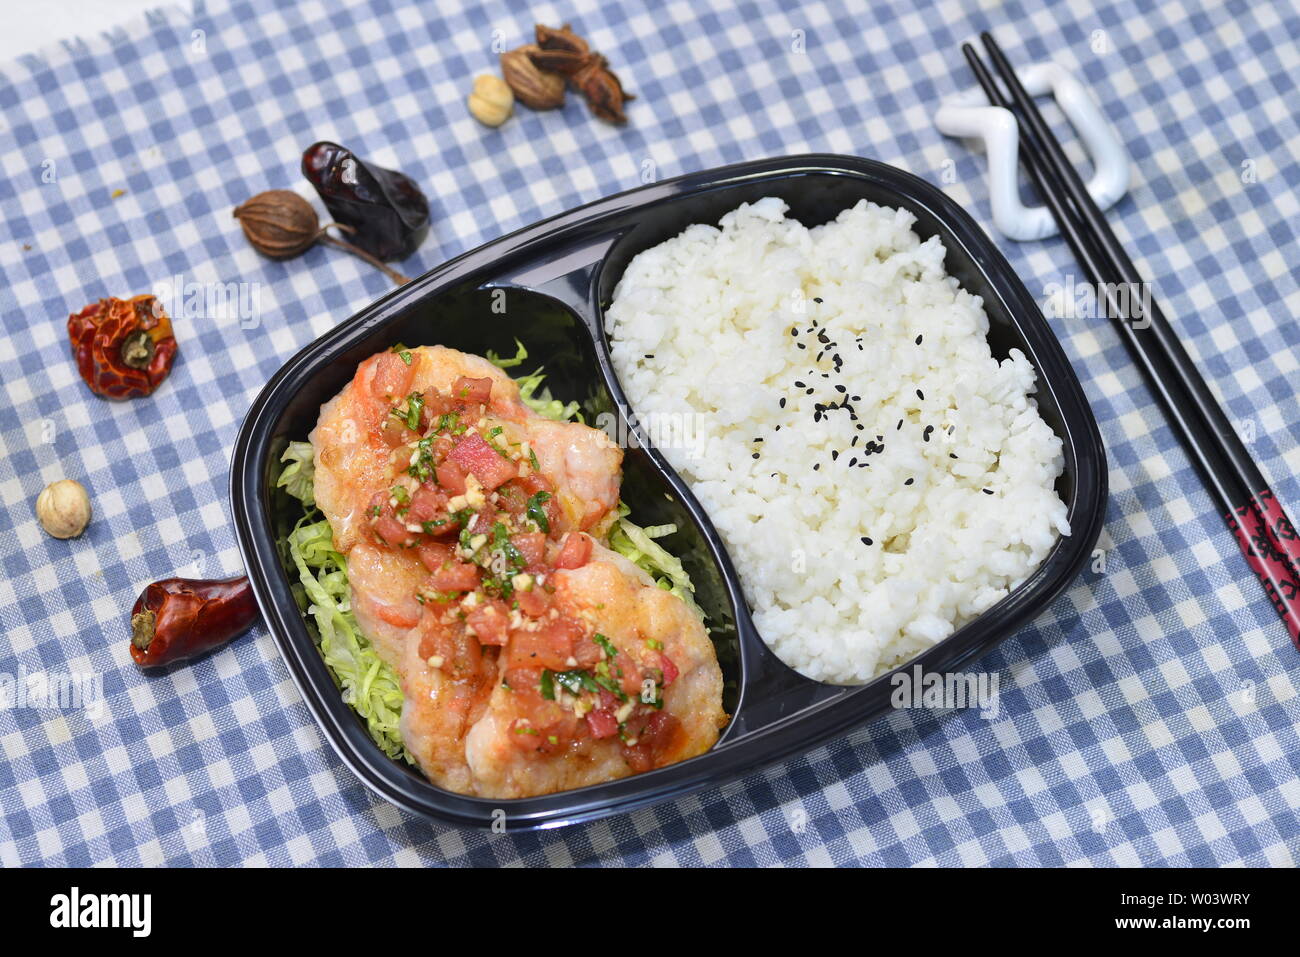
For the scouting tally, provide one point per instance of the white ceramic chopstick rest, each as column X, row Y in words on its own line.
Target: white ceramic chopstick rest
column 970, row 115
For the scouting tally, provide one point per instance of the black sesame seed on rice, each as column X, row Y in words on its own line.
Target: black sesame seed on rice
column 909, row 481
column 920, row 395
column 866, row 541
column 918, row 340
column 987, row 491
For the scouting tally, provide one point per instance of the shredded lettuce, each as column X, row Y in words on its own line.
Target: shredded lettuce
column 299, row 476
column 369, row 684
column 520, row 355
column 638, row 546
column 543, row 403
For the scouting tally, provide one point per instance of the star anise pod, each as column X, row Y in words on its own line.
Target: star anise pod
column 564, row 39
column 564, row 52
column 601, row 88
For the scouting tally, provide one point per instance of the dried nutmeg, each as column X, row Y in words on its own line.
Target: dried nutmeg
column 534, row 88
column 281, row 224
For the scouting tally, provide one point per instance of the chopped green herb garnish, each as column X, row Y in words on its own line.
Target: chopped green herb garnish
column 501, row 542
column 576, row 681
column 450, row 422
column 606, row 645
column 537, row 513
column 400, row 493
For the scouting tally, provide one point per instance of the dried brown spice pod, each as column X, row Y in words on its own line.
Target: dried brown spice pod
column 564, row 39
column 563, row 62
column 280, row 224
column 563, row 51
column 602, row 89
column 533, row 87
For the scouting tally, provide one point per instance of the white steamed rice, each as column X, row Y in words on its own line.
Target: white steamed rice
column 701, row 327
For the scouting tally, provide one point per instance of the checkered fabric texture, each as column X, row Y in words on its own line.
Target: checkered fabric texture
column 1148, row 718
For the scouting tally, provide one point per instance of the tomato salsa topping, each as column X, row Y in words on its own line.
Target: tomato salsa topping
column 485, row 523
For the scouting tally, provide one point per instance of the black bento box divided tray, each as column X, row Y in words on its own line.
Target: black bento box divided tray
column 546, row 286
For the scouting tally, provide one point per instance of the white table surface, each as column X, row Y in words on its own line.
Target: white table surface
column 49, row 21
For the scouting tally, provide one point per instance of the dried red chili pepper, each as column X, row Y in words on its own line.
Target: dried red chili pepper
column 124, row 347
column 179, row 618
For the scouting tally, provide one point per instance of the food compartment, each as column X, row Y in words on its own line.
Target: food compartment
column 495, row 319
column 774, row 692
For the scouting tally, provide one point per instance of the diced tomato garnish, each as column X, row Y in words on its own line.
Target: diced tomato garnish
column 654, row 738
column 534, row 603
column 434, row 555
column 489, row 620
column 451, row 477
column 531, row 545
column 455, row 576
column 426, row 503
column 602, row 723
column 392, row 376
column 575, row 551
column 394, row 432
column 460, row 652
column 629, row 681
column 471, row 391
column 485, row 463
column 551, row 646
column 481, row 523
column 392, row 531
column 669, row 669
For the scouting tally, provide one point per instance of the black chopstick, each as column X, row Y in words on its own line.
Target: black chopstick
column 1263, row 531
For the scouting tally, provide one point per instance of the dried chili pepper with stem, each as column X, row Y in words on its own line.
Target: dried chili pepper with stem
column 124, row 347
column 179, row 618
column 387, row 213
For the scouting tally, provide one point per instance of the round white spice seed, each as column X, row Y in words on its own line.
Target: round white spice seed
column 63, row 508
column 491, row 101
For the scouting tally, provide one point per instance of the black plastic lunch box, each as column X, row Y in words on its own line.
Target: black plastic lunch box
column 549, row 284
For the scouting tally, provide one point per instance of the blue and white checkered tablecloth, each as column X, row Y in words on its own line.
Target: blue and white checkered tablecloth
column 1149, row 718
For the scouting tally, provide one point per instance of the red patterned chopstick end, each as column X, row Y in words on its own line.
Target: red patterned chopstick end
column 1269, row 542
